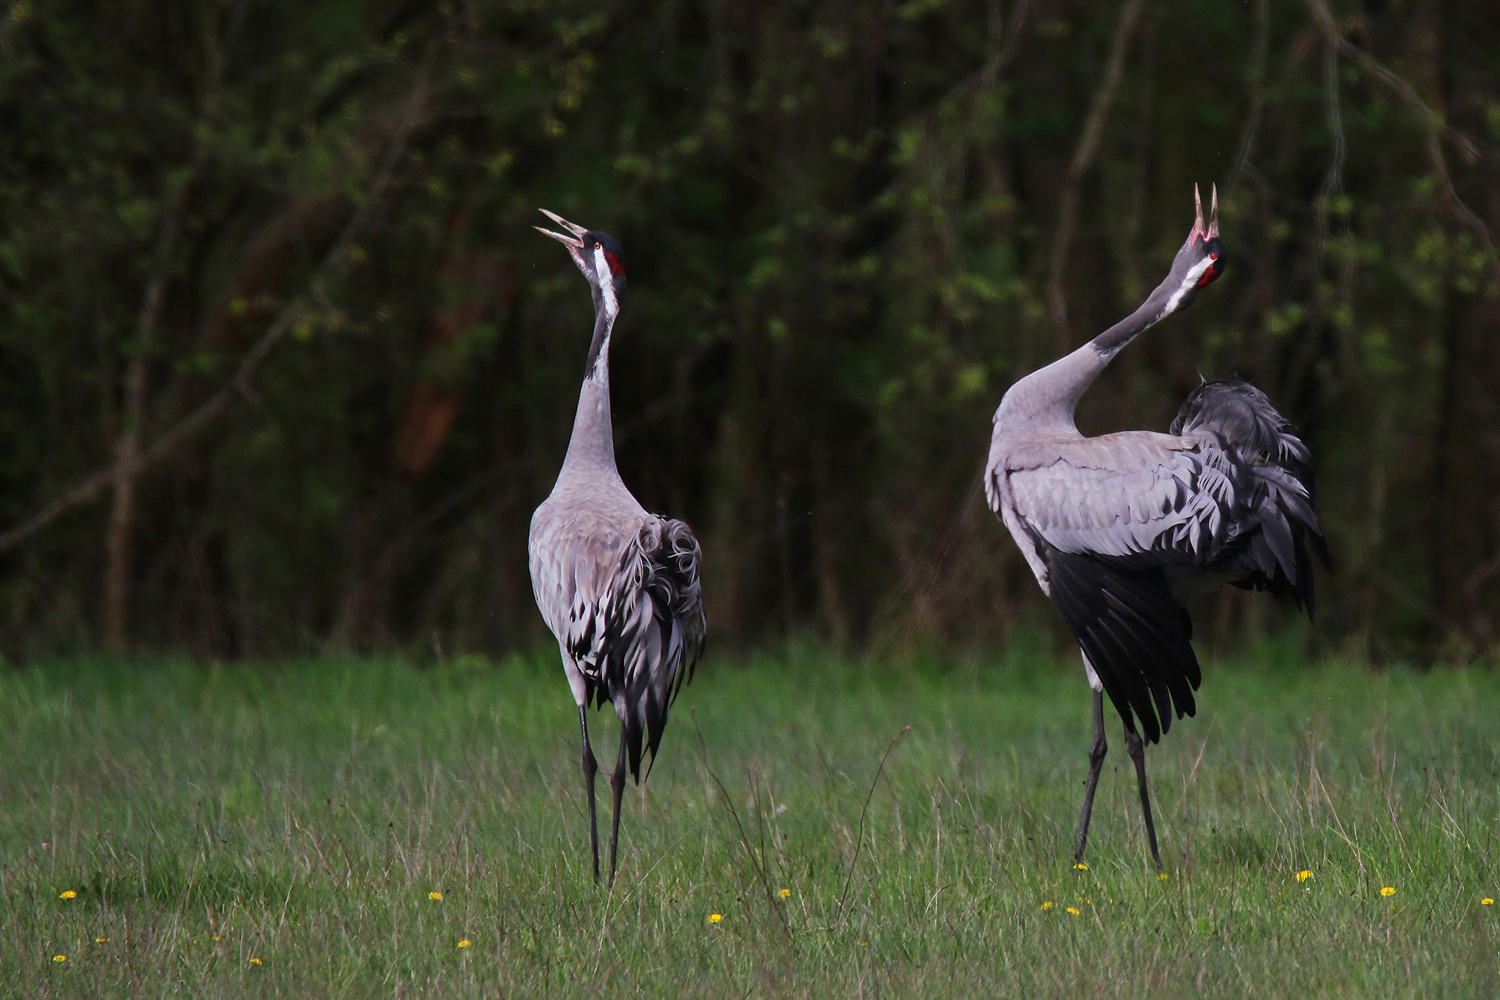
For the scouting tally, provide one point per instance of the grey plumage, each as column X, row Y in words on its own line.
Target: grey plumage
column 617, row 586
column 1118, row 528
column 625, row 605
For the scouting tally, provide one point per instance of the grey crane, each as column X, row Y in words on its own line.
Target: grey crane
column 1118, row 528
column 617, row 586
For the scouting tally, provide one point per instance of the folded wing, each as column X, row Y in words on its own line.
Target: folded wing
column 1124, row 523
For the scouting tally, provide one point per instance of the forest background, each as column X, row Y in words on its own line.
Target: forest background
column 283, row 367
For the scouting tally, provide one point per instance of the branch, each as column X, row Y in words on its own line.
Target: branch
column 1257, row 92
column 985, row 78
column 119, row 537
column 1083, row 157
column 1437, row 129
column 167, row 445
column 1333, row 178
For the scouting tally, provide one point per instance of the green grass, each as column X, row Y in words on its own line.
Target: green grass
column 301, row 816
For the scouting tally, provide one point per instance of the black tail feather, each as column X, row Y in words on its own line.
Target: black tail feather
column 1135, row 635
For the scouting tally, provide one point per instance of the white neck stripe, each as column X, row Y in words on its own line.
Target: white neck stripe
column 1195, row 273
column 606, row 281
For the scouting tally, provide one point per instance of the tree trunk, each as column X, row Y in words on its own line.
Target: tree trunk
column 471, row 287
column 1464, row 553
column 119, row 539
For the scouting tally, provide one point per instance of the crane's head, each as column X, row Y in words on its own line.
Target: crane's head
column 1201, row 258
column 598, row 255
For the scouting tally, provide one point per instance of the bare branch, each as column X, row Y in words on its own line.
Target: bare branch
column 167, row 445
column 1437, row 128
column 1083, row 157
column 1257, row 92
column 120, row 536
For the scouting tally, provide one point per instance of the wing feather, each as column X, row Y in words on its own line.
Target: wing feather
column 1235, row 426
column 1115, row 527
column 662, row 636
column 1134, row 634
column 1137, row 496
column 627, row 611
column 574, row 562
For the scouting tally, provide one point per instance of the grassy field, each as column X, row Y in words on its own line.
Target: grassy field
column 286, row 831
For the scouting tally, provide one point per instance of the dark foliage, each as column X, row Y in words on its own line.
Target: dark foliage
column 849, row 227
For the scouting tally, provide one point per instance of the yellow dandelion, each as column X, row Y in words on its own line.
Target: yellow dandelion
column 714, row 918
column 216, row 937
column 1486, row 901
column 67, row 894
column 1074, row 910
column 1081, row 867
column 255, row 961
column 59, row 958
column 1304, row 875
column 101, row 940
column 465, row 943
column 435, row 895
column 1047, row 904
column 784, row 893
column 1162, row 877
column 1389, row 890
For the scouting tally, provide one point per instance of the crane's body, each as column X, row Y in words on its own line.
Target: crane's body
column 618, row 586
column 1118, row 528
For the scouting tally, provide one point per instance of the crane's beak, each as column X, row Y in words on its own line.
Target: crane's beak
column 1211, row 230
column 573, row 241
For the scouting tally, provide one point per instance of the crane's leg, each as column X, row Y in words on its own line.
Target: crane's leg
column 617, row 784
column 1137, row 751
column 1096, row 763
column 590, row 768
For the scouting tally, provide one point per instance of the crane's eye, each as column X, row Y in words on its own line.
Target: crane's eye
column 596, row 246
column 1213, row 256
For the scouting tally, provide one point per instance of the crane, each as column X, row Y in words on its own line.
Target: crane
column 617, row 586
column 1118, row 528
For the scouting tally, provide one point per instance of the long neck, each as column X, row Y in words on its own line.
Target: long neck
column 1165, row 299
column 593, row 442
column 1049, row 395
